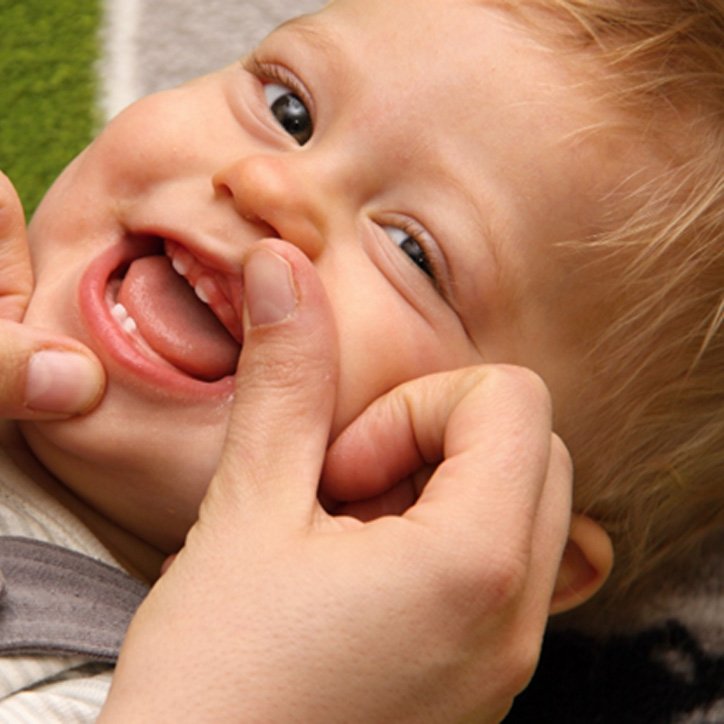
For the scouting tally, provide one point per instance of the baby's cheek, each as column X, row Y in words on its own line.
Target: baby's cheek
column 368, row 373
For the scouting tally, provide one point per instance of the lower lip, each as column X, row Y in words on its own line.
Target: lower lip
column 104, row 329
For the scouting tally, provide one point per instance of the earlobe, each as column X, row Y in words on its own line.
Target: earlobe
column 585, row 566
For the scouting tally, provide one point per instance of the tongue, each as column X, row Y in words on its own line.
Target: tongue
column 174, row 322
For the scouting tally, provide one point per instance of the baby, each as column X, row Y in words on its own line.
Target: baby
column 533, row 183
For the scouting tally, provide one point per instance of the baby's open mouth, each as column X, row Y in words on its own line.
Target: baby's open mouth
column 174, row 308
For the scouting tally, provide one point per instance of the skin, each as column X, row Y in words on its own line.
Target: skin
column 485, row 160
column 475, row 606
column 421, row 617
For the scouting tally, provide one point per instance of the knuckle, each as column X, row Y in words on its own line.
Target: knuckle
column 561, row 456
column 521, row 661
column 527, row 383
column 505, row 580
column 286, row 367
column 518, row 390
column 477, row 586
column 483, row 599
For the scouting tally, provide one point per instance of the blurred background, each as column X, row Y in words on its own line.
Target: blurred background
column 66, row 66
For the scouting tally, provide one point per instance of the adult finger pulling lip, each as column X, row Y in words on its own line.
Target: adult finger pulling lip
column 43, row 376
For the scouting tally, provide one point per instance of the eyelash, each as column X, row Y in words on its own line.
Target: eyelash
column 273, row 73
column 417, row 233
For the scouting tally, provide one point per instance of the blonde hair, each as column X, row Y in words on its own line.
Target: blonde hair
column 650, row 450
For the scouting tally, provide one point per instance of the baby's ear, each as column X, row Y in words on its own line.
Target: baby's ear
column 587, row 561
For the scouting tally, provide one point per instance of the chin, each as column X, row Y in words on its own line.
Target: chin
column 148, row 485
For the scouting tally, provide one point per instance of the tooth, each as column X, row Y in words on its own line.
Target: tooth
column 201, row 294
column 180, row 265
column 119, row 313
column 129, row 325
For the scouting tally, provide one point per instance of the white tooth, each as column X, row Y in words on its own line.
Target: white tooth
column 201, row 294
column 119, row 313
column 129, row 325
column 180, row 266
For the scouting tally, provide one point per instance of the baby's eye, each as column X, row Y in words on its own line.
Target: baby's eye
column 411, row 247
column 290, row 111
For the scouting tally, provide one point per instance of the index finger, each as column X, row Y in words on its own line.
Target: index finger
column 498, row 508
column 497, row 447
column 487, row 429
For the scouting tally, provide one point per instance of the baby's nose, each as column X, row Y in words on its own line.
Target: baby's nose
column 276, row 193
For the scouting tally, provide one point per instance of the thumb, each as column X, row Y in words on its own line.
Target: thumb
column 285, row 388
column 44, row 377
column 41, row 376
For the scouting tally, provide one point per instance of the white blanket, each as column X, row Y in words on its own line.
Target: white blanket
column 154, row 44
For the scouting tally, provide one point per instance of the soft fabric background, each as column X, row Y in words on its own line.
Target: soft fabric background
column 48, row 52
column 67, row 65
column 154, row 44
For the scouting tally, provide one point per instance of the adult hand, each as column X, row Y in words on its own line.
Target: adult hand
column 42, row 375
column 276, row 611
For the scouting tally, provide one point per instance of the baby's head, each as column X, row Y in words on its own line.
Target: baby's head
column 474, row 181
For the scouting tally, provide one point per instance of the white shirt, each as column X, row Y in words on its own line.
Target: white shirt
column 47, row 689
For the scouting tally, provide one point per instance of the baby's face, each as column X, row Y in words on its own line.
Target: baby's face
column 424, row 155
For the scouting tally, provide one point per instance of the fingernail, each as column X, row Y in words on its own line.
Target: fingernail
column 268, row 288
column 62, row 382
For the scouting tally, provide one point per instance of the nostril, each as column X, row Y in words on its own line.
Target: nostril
column 220, row 186
column 223, row 191
column 265, row 229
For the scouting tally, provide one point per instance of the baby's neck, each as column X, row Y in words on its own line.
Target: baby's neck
column 136, row 556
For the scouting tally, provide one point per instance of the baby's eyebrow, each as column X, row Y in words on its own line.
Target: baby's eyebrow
column 312, row 34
